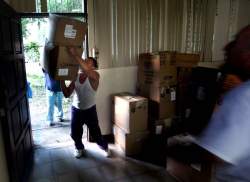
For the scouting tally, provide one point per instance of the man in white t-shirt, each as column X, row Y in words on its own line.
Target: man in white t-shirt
column 227, row 136
column 84, row 107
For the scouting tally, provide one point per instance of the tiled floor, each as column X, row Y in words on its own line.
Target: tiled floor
column 59, row 165
column 57, row 136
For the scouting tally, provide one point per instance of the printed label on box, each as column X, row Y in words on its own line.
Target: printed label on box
column 173, row 95
column 69, row 32
column 63, row 72
column 158, row 129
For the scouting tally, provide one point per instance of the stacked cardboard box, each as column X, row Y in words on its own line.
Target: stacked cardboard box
column 157, row 79
column 185, row 60
column 113, row 103
column 184, row 63
column 130, row 119
column 63, row 32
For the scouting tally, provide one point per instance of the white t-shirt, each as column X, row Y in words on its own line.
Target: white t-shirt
column 228, row 136
column 84, row 97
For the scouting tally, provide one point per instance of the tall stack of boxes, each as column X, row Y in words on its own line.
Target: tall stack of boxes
column 185, row 64
column 157, row 80
column 63, row 32
column 130, row 123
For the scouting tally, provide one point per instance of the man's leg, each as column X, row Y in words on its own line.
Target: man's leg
column 76, row 127
column 91, row 121
column 59, row 96
column 50, row 106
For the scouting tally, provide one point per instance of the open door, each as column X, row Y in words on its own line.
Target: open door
column 14, row 108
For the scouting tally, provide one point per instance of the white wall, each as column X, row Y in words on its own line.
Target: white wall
column 221, row 29
column 228, row 22
column 3, row 165
column 243, row 14
column 113, row 80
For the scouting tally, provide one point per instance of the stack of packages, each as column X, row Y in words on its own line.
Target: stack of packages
column 157, row 80
column 63, row 32
column 130, row 123
column 185, row 64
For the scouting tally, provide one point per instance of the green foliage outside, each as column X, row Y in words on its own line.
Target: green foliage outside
column 66, row 6
column 26, row 21
column 35, row 80
column 32, row 51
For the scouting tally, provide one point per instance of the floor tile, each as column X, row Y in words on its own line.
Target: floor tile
column 60, row 165
column 85, row 162
column 59, row 154
column 135, row 168
column 127, row 179
column 115, row 170
column 51, row 179
column 41, row 171
column 42, row 156
column 153, row 177
column 63, row 166
column 69, row 177
column 92, row 175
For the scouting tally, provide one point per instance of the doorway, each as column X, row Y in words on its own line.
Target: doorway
column 34, row 31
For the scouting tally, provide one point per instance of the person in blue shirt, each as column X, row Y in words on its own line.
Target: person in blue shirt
column 226, row 138
column 54, row 98
column 29, row 90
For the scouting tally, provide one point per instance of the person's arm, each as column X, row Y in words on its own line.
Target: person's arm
column 89, row 71
column 67, row 91
column 222, row 138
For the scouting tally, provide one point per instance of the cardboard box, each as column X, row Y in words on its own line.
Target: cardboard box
column 58, row 63
column 158, row 126
column 131, row 113
column 131, row 144
column 186, row 60
column 189, row 173
column 113, row 103
column 162, row 100
column 65, row 31
column 183, row 91
column 156, row 69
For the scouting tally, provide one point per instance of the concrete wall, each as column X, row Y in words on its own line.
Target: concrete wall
column 113, row 80
column 240, row 17
column 243, row 14
column 3, row 165
column 221, row 29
